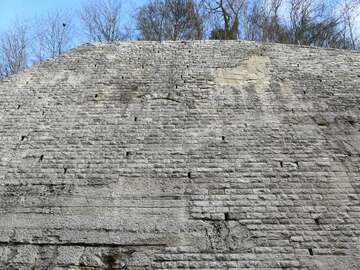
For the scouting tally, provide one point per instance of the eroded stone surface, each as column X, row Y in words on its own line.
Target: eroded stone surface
column 182, row 155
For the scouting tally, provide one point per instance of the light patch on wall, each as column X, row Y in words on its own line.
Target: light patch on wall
column 252, row 71
column 251, row 74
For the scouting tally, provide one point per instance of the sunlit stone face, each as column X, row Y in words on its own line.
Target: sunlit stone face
column 181, row 155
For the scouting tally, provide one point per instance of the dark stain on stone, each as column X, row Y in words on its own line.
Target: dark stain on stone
column 351, row 122
column 109, row 261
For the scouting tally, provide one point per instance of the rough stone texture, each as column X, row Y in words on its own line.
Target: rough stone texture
column 185, row 155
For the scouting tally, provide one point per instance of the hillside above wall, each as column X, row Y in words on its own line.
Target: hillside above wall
column 182, row 155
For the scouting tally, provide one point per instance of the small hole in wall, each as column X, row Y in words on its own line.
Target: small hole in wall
column 27, row 82
column 223, row 138
column 351, row 122
column 323, row 124
column 65, row 170
column 304, row 92
column 281, row 164
column 23, row 137
column 189, row 175
column 135, row 119
column 176, row 86
column 95, row 65
column 43, row 112
column 18, row 107
column 110, row 262
column 41, row 158
column 320, row 80
column 122, row 77
column 310, row 251
column 127, row 153
column 96, row 95
column 317, row 221
column 226, row 216
column 181, row 76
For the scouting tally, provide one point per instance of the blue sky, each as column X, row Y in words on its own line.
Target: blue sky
column 11, row 10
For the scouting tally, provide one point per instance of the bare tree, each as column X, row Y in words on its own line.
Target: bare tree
column 183, row 20
column 313, row 23
column 14, row 50
column 170, row 20
column 101, row 19
column 309, row 23
column 227, row 13
column 349, row 11
column 263, row 22
column 150, row 20
column 53, row 35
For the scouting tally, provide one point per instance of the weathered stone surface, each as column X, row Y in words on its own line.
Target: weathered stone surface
column 185, row 155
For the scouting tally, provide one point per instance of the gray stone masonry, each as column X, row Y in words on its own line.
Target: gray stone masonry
column 182, row 155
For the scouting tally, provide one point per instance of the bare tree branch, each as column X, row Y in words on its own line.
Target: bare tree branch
column 53, row 35
column 101, row 20
column 14, row 50
column 170, row 20
column 227, row 13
